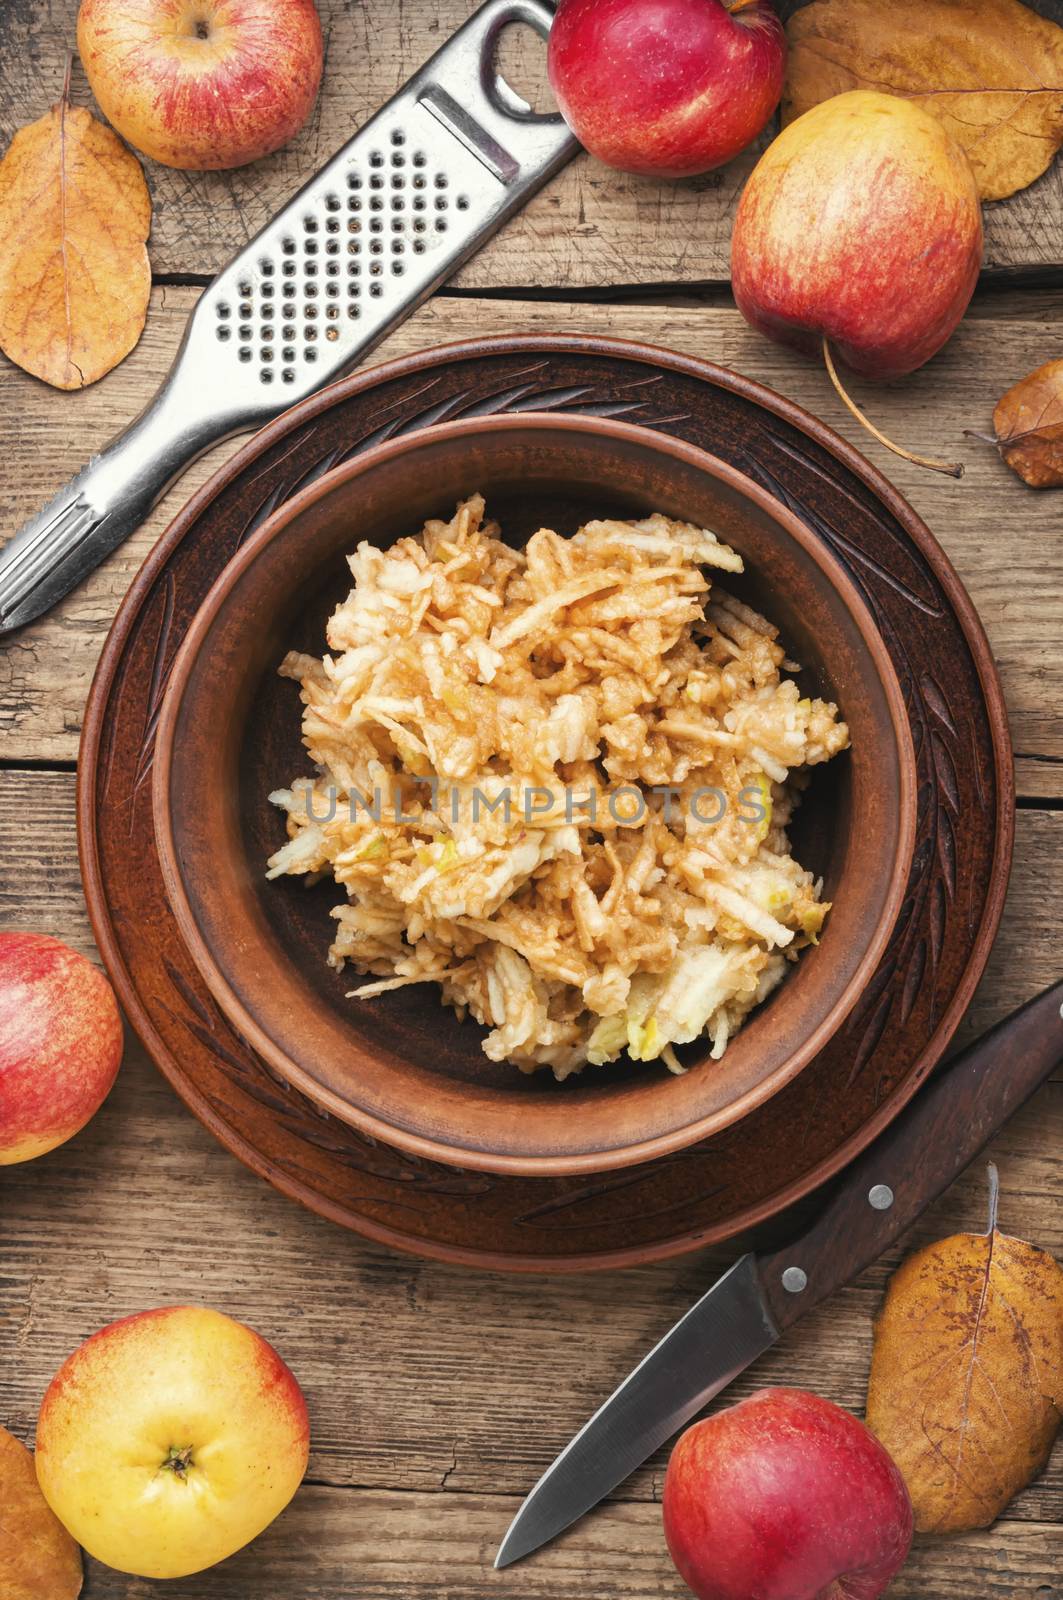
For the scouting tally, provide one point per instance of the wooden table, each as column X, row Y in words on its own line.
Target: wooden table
column 438, row 1395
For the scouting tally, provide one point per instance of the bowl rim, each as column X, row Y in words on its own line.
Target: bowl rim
column 421, row 1145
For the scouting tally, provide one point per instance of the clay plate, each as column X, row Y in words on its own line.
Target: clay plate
column 907, row 1013
column 400, row 1067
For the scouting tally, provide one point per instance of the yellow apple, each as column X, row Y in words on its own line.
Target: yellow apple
column 170, row 1439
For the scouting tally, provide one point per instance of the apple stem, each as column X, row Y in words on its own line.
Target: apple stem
column 994, row 1195
column 65, row 96
column 986, row 438
column 952, row 468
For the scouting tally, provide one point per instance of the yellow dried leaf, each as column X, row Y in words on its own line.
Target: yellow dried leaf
column 38, row 1558
column 990, row 70
column 966, row 1386
column 74, row 275
column 1029, row 427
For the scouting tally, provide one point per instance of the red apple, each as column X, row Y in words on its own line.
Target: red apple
column 666, row 87
column 785, row 1497
column 171, row 1439
column 861, row 225
column 203, row 83
column 60, row 1044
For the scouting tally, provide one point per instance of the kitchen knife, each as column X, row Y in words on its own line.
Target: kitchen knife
column 399, row 208
column 884, row 1191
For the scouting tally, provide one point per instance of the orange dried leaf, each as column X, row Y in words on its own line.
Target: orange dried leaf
column 38, row 1558
column 1029, row 427
column 74, row 275
column 966, row 1386
column 990, row 70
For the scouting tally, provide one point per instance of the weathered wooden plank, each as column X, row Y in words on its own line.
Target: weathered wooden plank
column 421, row 1377
column 1004, row 539
column 590, row 228
column 334, row 1544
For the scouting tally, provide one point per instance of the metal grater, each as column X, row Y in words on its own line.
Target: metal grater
column 434, row 173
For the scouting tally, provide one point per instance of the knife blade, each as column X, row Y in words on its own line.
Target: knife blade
column 746, row 1311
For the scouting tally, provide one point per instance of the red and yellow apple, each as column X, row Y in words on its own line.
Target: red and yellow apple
column 861, row 225
column 203, row 84
column 666, row 87
column 171, row 1439
column 785, row 1496
column 60, row 1044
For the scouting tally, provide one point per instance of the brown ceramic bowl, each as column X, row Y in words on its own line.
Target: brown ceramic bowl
column 401, row 1067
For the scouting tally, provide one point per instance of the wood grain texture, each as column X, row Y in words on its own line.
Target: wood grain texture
column 421, row 1377
column 45, row 669
column 590, row 228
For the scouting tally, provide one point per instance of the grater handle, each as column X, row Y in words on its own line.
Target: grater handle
column 100, row 507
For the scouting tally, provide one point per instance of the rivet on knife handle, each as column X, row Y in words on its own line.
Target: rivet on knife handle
column 918, row 1156
column 417, row 190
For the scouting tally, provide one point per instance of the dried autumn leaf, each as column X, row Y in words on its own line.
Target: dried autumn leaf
column 1029, row 427
column 38, row 1558
column 74, row 275
column 966, row 1385
column 990, row 70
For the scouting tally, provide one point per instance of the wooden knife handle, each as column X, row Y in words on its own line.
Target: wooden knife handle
column 928, row 1145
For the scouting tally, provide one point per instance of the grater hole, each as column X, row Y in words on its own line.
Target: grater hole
column 419, row 158
column 245, row 330
column 398, row 162
column 397, row 181
column 288, row 352
column 418, row 224
column 441, row 202
column 354, row 310
column 332, row 333
column 355, row 205
column 419, row 203
column 397, row 137
column 462, row 202
column 310, row 334
column 332, row 249
column 332, row 202
column 375, row 269
column 288, row 246
column 310, row 223
column 376, row 159
column 266, row 375
column 267, row 291
column 267, row 313
column 223, row 332
column 332, row 312
column 418, row 246
column 265, row 354
column 309, row 313
column 397, row 269
column 309, row 354
column 376, row 204
column 332, row 290
column 311, row 290
column 375, row 290
column 378, row 184
column 441, row 180
column 245, row 352
column 288, row 332
column 354, row 180
column 288, row 375
column 223, row 309
column 441, row 224
column 265, row 266
column 332, row 269
column 311, row 247
column 245, row 289
column 289, row 291
column 331, row 226
column 289, row 272
column 419, row 181
column 245, row 308
column 354, row 226
column 398, row 246
column 398, row 203
column 311, row 269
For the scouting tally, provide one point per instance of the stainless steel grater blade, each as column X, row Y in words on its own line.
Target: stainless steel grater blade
column 416, row 191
